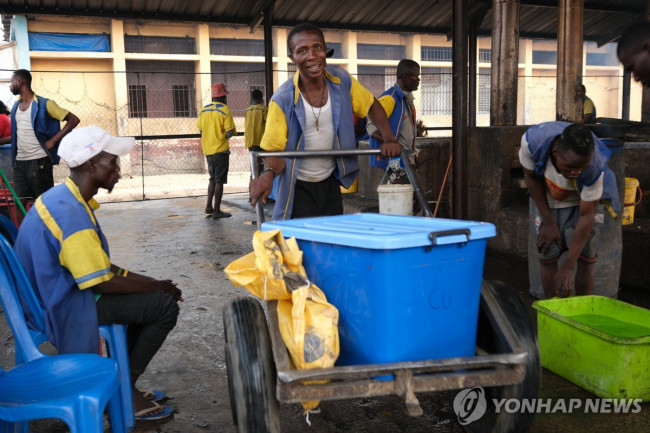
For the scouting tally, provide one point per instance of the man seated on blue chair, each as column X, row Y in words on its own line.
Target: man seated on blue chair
column 66, row 258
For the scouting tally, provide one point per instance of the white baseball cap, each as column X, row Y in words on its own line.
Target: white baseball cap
column 81, row 144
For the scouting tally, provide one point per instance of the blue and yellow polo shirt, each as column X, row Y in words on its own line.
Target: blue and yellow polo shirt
column 214, row 120
column 64, row 253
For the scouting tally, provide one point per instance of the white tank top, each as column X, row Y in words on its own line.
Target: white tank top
column 317, row 169
column 28, row 146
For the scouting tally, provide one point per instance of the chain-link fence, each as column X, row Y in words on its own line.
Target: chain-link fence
column 159, row 105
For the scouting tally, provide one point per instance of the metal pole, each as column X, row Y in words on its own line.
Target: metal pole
column 268, row 51
column 473, row 59
column 459, row 110
column 627, row 78
column 259, row 210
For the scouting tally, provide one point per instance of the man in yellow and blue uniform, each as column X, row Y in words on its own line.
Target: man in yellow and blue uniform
column 254, row 124
column 217, row 127
column 66, row 258
column 588, row 107
column 314, row 111
column 398, row 104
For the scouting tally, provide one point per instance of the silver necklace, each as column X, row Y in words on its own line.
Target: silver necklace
column 319, row 108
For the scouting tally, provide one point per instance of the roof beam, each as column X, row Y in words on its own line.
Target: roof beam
column 588, row 6
column 259, row 14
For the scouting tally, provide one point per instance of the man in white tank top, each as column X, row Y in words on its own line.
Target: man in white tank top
column 36, row 133
column 314, row 111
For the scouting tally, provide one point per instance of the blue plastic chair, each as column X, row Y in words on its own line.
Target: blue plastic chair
column 114, row 335
column 9, row 227
column 74, row 388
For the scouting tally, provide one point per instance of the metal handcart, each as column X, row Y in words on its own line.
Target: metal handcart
column 506, row 363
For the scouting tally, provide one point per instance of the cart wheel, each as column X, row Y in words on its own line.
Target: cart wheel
column 515, row 311
column 251, row 371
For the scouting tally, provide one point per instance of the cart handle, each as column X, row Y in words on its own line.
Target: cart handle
column 454, row 232
column 259, row 210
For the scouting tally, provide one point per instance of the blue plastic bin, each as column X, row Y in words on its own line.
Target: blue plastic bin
column 401, row 296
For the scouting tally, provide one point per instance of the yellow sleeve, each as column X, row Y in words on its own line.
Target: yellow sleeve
column 229, row 122
column 588, row 107
column 361, row 97
column 55, row 111
column 82, row 254
column 388, row 104
column 276, row 132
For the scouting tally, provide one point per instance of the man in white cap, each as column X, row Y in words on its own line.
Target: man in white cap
column 217, row 127
column 65, row 255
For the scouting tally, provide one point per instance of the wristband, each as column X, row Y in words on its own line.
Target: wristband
column 269, row 169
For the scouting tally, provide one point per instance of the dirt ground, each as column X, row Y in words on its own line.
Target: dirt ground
column 173, row 239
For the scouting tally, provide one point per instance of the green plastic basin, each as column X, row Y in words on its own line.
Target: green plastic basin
column 598, row 343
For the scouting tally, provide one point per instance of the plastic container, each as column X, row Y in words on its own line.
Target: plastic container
column 401, row 295
column 598, row 343
column 395, row 199
column 631, row 187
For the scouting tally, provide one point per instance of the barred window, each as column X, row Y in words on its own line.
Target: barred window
column 240, row 79
column 484, row 86
column 436, row 54
column 436, row 91
column 484, row 55
column 137, row 100
column 381, row 52
column 159, row 44
column 181, row 100
column 166, row 87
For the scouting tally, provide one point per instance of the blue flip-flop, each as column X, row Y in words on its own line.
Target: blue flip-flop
column 153, row 394
column 166, row 411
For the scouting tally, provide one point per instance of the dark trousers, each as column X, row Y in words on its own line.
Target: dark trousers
column 33, row 177
column 149, row 316
column 317, row 198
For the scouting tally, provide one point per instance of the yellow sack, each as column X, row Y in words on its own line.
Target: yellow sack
column 308, row 323
column 272, row 265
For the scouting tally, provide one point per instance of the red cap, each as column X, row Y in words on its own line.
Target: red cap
column 219, row 89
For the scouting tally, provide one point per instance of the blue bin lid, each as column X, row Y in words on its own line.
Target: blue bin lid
column 377, row 231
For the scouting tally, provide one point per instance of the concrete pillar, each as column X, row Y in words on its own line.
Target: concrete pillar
column 505, row 62
column 569, row 60
column 121, row 88
column 204, row 78
column 414, row 52
column 282, row 56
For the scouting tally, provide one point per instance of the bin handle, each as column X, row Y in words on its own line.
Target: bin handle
column 435, row 235
column 639, row 193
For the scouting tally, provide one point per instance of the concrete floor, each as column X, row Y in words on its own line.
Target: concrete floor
column 173, row 239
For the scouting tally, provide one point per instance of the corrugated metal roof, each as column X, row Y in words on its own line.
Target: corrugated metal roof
column 604, row 20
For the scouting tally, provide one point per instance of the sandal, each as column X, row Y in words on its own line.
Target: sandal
column 209, row 210
column 153, row 394
column 141, row 415
column 219, row 215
